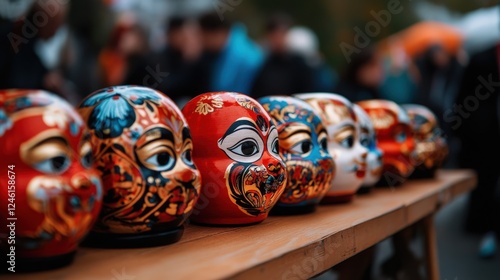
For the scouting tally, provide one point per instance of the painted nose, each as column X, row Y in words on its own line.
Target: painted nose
column 364, row 155
column 186, row 174
column 272, row 164
column 81, row 181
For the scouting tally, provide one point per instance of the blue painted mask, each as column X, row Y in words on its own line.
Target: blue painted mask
column 303, row 146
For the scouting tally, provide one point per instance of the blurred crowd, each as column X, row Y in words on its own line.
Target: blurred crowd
column 206, row 53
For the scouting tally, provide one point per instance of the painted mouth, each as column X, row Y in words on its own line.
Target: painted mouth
column 360, row 169
column 360, row 173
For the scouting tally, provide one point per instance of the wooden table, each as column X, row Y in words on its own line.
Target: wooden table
column 293, row 247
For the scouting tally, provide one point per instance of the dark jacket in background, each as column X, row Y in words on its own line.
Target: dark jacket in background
column 166, row 71
column 479, row 133
column 283, row 74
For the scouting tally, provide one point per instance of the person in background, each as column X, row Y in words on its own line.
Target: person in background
column 439, row 73
column 170, row 70
column 230, row 59
column 362, row 77
column 126, row 44
column 303, row 41
column 283, row 71
column 401, row 75
column 36, row 61
column 479, row 133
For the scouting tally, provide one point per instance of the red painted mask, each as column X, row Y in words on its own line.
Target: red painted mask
column 47, row 155
column 237, row 154
column 395, row 139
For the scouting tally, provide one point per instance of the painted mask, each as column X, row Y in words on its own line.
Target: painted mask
column 303, row 145
column 340, row 120
column 50, row 193
column 431, row 146
column 237, row 154
column 368, row 138
column 394, row 137
column 142, row 147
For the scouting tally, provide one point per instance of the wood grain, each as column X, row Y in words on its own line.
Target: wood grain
column 294, row 247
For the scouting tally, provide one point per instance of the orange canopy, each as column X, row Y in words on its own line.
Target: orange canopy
column 419, row 37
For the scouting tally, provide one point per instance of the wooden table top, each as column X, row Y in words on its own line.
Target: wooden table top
column 284, row 247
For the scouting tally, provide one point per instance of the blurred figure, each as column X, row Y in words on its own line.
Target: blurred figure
column 171, row 69
column 303, row 41
column 439, row 76
column 362, row 77
column 283, row 71
column 479, row 132
column 33, row 54
column 88, row 35
column 230, row 59
column 126, row 44
column 401, row 75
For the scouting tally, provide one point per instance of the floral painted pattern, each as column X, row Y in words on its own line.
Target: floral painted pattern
column 113, row 111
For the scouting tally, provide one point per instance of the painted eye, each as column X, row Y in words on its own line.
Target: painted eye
column 302, row 147
column 246, row 147
column 275, row 146
column 91, row 203
column 161, row 161
column 187, row 158
column 401, row 137
column 86, row 157
column 324, row 144
column 273, row 142
column 243, row 144
column 75, row 202
column 347, row 142
column 323, row 140
column 364, row 140
column 54, row 165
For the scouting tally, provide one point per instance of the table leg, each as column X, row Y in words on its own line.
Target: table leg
column 431, row 254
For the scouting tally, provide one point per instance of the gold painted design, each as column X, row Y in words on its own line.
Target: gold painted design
column 245, row 103
column 307, row 181
column 255, row 189
column 331, row 112
column 381, row 120
column 50, row 196
column 207, row 104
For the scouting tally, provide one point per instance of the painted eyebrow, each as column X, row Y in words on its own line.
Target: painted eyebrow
column 185, row 134
column 303, row 129
column 320, row 128
column 236, row 125
column 51, row 139
column 346, row 127
column 164, row 134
